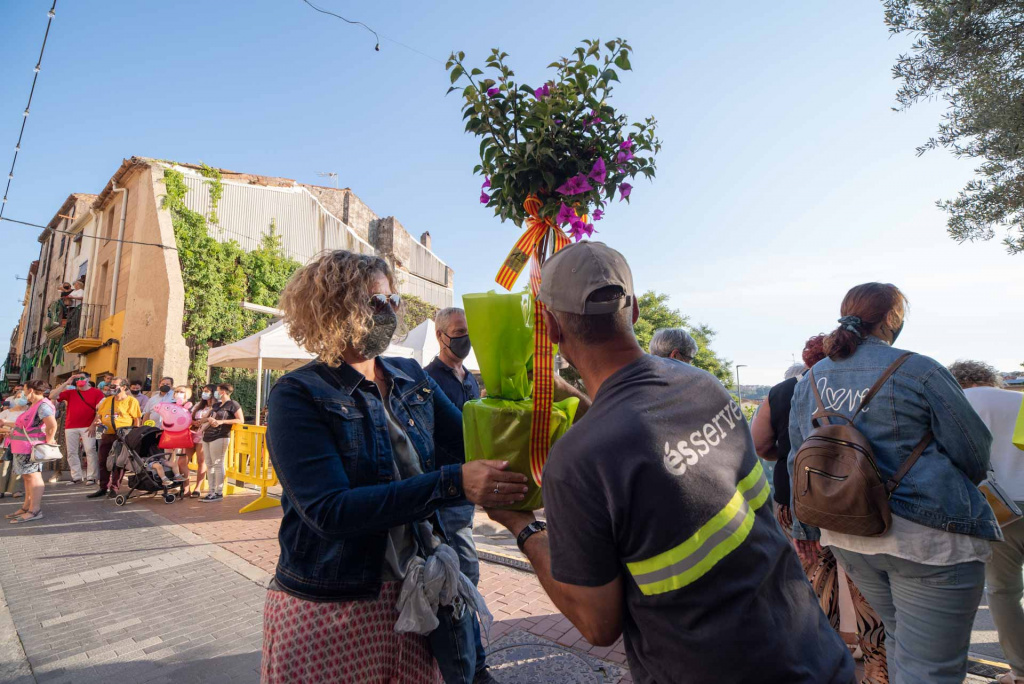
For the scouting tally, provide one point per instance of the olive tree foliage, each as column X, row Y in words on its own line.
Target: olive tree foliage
column 970, row 53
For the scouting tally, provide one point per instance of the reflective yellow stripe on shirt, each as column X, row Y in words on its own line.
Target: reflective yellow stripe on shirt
column 716, row 539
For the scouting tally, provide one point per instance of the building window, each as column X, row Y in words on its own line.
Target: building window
column 63, row 239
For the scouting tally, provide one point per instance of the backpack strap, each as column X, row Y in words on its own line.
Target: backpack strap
column 893, row 482
column 818, row 416
column 893, row 367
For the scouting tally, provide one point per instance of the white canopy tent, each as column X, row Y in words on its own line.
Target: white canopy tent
column 273, row 349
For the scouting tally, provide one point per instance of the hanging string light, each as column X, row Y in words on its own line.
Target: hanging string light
column 24, row 117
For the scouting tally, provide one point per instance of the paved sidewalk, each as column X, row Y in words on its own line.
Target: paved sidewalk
column 164, row 593
column 102, row 594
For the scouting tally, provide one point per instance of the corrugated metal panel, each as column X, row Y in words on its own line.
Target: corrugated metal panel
column 432, row 293
column 426, row 265
column 246, row 213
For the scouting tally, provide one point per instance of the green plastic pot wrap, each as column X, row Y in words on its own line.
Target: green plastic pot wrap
column 500, row 429
column 501, row 327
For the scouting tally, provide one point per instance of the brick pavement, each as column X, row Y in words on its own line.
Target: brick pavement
column 100, row 593
column 513, row 596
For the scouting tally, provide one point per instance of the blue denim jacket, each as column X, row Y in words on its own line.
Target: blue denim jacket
column 329, row 443
column 940, row 490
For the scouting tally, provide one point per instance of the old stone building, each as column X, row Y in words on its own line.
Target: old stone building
column 122, row 243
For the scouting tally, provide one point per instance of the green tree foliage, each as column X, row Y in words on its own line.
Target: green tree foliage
column 416, row 311
column 218, row 276
column 971, row 54
column 655, row 313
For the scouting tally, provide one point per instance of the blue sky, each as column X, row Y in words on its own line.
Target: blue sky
column 785, row 176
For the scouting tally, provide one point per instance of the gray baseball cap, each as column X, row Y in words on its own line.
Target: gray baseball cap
column 574, row 273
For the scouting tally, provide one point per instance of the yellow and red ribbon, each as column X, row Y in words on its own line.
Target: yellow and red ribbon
column 532, row 246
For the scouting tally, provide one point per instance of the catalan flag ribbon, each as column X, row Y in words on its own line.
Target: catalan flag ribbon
column 532, row 246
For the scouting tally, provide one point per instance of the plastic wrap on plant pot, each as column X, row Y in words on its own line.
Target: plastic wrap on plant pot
column 500, row 429
column 501, row 327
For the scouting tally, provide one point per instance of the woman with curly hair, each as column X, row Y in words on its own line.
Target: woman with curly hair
column 924, row 575
column 837, row 595
column 365, row 450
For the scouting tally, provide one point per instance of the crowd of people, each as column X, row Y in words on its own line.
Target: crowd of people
column 84, row 418
column 661, row 524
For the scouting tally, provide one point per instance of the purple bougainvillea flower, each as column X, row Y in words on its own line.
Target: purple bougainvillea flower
column 624, row 191
column 487, row 182
column 578, row 229
column 598, row 174
column 575, row 186
column 484, row 198
column 542, row 92
column 593, row 118
column 626, row 144
column 623, row 156
column 493, row 92
column 565, row 215
column 598, row 215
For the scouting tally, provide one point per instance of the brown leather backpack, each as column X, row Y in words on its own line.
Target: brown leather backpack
column 836, row 484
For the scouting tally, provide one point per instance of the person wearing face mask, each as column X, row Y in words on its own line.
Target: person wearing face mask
column 925, row 575
column 81, row 400
column 164, row 394
column 36, row 425
column 135, row 389
column 366, row 449
column 118, row 410
column 8, row 479
column 200, row 412
column 216, row 437
column 460, row 386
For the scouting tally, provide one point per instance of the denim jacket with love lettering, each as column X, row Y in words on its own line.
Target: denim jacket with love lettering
column 940, row 490
column 329, row 443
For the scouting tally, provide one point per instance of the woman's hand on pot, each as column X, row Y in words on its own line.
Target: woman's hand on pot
column 489, row 484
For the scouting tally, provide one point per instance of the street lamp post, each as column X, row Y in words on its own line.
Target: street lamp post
column 739, row 390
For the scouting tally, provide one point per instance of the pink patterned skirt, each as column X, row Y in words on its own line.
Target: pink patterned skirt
column 352, row 642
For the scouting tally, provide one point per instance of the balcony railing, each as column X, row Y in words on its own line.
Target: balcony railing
column 82, row 328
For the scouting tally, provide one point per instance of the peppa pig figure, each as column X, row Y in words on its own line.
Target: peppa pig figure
column 175, row 421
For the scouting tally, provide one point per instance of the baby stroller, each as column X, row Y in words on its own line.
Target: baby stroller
column 136, row 446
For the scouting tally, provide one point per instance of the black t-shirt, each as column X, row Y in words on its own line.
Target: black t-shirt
column 780, row 398
column 659, row 483
column 222, row 410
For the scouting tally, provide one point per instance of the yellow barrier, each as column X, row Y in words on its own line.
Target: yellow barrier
column 248, row 461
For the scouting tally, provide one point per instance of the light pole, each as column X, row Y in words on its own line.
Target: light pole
column 739, row 390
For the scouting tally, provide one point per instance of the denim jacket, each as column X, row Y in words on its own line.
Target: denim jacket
column 940, row 489
column 329, row 443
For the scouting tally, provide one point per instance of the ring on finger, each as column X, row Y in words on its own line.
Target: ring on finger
column 496, row 490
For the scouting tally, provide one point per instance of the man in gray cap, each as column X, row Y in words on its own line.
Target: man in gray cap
column 656, row 503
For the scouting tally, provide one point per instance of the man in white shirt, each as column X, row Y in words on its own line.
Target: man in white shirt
column 163, row 395
column 1000, row 409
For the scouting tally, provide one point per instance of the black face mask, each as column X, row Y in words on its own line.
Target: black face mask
column 136, row 392
column 896, row 332
column 459, row 346
column 379, row 336
column 164, row 389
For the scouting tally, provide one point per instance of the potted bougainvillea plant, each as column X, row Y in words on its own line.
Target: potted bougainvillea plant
column 560, row 141
column 553, row 155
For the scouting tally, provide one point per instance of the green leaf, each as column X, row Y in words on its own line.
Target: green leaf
column 475, row 72
column 456, row 73
column 622, row 61
column 450, row 90
column 610, row 75
column 591, row 70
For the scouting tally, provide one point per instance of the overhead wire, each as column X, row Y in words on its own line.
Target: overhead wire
column 375, row 34
column 92, row 237
column 28, row 107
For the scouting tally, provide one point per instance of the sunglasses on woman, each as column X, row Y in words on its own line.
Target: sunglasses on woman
column 380, row 302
